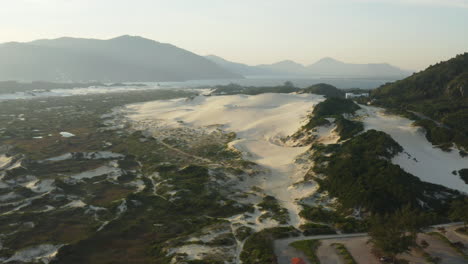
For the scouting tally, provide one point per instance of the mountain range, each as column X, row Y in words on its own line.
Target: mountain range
column 136, row 59
column 121, row 59
column 324, row 67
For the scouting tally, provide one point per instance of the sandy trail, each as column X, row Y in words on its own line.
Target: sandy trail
column 281, row 173
column 185, row 153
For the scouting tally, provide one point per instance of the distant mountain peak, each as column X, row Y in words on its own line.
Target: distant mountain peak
column 326, row 66
column 328, row 60
column 127, row 37
column 288, row 62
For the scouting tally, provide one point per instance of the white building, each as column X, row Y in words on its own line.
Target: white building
column 353, row 95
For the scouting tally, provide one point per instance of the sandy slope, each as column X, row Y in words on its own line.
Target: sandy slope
column 420, row 157
column 259, row 122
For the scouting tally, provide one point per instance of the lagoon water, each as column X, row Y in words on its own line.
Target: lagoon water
column 301, row 82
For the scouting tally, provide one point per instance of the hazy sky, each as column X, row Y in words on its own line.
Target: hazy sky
column 408, row 33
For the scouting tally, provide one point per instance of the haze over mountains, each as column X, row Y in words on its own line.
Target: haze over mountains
column 120, row 59
column 324, row 67
column 136, row 59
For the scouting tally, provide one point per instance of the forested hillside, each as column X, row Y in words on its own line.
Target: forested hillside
column 438, row 96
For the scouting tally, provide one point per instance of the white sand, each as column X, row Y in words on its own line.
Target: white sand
column 9, row 163
column 138, row 184
column 198, row 252
column 4, row 161
column 110, row 171
column 66, row 134
column 41, row 186
column 65, row 156
column 326, row 135
column 75, row 204
column 432, row 164
column 43, row 253
column 259, row 121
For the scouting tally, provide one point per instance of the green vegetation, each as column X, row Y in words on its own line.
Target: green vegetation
column 243, row 232
column 439, row 93
column 316, row 229
column 318, row 214
column 309, row 247
column 443, row 79
column 193, row 197
column 334, row 108
column 347, row 128
column 330, row 108
column 274, row 210
column 440, row 135
column 393, row 234
column 459, row 211
column 155, row 220
column 359, row 173
column 258, row 248
column 327, row 90
column 463, row 175
column 343, row 251
column 233, row 88
column 335, row 217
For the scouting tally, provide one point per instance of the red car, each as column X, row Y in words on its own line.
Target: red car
column 297, row 261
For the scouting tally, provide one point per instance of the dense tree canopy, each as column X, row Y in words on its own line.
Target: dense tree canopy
column 440, row 94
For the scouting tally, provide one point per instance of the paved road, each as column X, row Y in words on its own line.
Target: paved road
column 284, row 252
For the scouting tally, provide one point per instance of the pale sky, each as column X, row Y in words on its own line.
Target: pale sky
column 411, row 34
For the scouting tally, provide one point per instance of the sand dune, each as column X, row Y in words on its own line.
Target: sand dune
column 259, row 122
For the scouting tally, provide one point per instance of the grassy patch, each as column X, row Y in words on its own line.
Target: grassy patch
column 258, row 248
column 151, row 225
column 316, row 229
column 309, row 247
column 274, row 210
column 337, row 218
column 233, row 88
column 463, row 175
column 449, row 243
column 243, row 232
column 331, row 107
column 343, row 251
column 347, row 128
column 360, row 174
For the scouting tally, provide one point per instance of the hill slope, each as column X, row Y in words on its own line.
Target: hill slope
column 125, row 58
column 447, row 79
column 438, row 96
column 239, row 68
column 286, row 67
column 324, row 89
